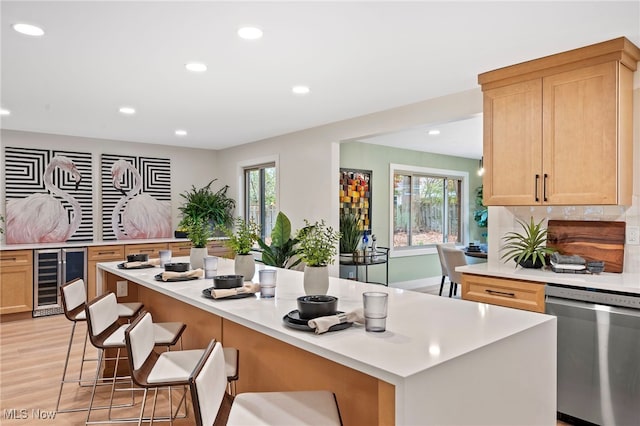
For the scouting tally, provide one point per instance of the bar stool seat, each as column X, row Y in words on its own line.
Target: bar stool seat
column 74, row 297
column 105, row 333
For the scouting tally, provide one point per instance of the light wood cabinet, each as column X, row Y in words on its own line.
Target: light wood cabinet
column 16, row 281
column 153, row 249
column 220, row 249
column 98, row 254
column 558, row 130
column 180, row 249
column 527, row 295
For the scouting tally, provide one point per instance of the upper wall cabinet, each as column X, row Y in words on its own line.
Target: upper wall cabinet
column 558, row 130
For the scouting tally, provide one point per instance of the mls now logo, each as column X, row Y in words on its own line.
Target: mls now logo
column 15, row 414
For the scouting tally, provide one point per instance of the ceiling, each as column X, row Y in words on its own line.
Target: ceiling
column 356, row 57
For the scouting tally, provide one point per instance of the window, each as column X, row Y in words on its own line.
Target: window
column 260, row 197
column 428, row 206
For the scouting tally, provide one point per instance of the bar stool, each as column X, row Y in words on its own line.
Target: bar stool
column 151, row 370
column 301, row 408
column 74, row 297
column 105, row 333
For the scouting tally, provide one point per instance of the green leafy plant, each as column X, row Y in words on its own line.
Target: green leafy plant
column 283, row 249
column 214, row 208
column 529, row 245
column 481, row 213
column 198, row 231
column 318, row 243
column 246, row 234
column 350, row 234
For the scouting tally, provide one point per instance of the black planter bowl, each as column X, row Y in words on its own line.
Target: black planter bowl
column 315, row 306
column 530, row 264
column 227, row 281
column 140, row 257
column 177, row 267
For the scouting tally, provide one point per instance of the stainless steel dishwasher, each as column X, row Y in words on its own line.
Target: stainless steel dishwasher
column 598, row 354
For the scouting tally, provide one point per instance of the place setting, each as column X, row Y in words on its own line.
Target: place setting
column 139, row 261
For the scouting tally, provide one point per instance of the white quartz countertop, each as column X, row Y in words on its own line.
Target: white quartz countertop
column 43, row 246
column 624, row 282
column 422, row 330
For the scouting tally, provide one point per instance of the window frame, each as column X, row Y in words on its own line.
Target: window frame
column 428, row 171
column 243, row 193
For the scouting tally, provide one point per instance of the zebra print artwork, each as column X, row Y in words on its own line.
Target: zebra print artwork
column 136, row 197
column 48, row 196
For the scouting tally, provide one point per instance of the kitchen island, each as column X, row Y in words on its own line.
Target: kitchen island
column 441, row 361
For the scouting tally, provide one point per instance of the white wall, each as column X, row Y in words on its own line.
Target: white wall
column 188, row 166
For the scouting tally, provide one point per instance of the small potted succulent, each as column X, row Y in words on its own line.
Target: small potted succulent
column 527, row 249
column 318, row 248
column 241, row 241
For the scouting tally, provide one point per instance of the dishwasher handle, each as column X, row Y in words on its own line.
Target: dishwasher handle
column 592, row 306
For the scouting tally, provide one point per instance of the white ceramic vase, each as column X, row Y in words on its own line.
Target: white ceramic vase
column 245, row 265
column 316, row 279
column 197, row 256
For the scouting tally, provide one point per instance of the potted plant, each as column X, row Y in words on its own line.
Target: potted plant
column 198, row 231
column 215, row 208
column 318, row 247
column 529, row 248
column 241, row 241
column 350, row 233
column 282, row 251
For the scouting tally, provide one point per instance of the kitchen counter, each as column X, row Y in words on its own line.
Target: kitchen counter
column 439, row 354
column 42, row 246
column 624, row 282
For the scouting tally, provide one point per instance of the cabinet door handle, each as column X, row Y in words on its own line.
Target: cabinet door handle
column 535, row 185
column 8, row 259
column 147, row 250
column 500, row 293
column 544, row 187
column 100, row 253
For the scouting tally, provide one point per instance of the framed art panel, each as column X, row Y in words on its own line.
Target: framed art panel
column 355, row 195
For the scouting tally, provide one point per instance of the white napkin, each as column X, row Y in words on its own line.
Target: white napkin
column 322, row 324
column 228, row 292
column 167, row 275
column 152, row 262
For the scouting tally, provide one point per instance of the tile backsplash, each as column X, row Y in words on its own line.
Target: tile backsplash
column 504, row 219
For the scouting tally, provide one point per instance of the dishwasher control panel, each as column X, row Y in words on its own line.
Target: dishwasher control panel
column 601, row 297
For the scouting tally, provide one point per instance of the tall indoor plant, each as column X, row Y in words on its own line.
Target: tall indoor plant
column 283, row 249
column 214, row 207
column 527, row 249
column 318, row 248
column 241, row 241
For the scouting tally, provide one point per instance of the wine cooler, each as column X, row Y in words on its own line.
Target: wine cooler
column 54, row 267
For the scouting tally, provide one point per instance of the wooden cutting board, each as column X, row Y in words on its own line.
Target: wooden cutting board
column 592, row 240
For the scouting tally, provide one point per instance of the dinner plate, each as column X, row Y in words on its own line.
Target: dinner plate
column 294, row 316
column 207, row 293
column 122, row 266
column 304, row 327
column 173, row 280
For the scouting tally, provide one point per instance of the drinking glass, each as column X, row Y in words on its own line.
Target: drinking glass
column 375, row 310
column 165, row 257
column 210, row 266
column 267, row 282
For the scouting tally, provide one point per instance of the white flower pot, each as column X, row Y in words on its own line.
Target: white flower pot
column 197, row 256
column 245, row 265
column 316, row 279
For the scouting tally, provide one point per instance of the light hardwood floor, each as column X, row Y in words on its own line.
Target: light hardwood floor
column 32, row 353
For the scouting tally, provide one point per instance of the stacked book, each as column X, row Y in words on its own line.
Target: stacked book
column 572, row 264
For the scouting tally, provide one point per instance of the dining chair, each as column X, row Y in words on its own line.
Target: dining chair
column 453, row 258
column 443, row 265
column 106, row 333
column 73, row 295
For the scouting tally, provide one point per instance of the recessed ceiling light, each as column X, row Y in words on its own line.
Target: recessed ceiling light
column 434, row 132
column 250, row 33
column 300, row 90
column 181, row 132
column 196, row 67
column 28, row 29
column 127, row 110
column 5, row 112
